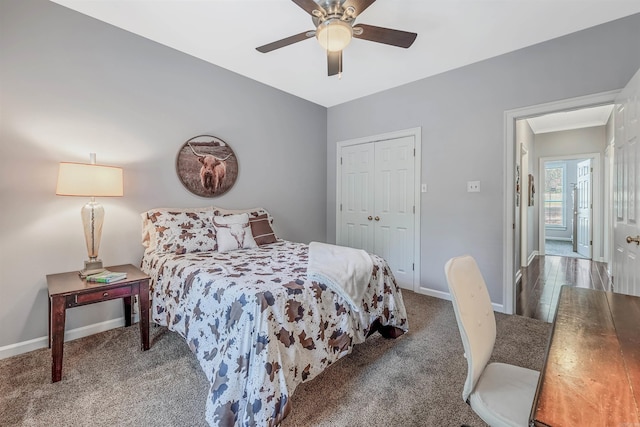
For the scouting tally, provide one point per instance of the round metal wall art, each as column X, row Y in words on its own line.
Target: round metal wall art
column 207, row 166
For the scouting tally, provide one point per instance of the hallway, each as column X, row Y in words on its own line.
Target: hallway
column 537, row 293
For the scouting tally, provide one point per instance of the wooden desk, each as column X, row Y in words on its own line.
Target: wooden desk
column 591, row 375
column 67, row 290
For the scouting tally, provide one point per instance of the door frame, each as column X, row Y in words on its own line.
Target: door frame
column 509, row 161
column 607, row 232
column 524, row 212
column 596, row 207
column 417, row 171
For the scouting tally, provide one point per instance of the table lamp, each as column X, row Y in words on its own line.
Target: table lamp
column 90, row 180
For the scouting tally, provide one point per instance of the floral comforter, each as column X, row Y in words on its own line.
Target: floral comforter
column 258, row 327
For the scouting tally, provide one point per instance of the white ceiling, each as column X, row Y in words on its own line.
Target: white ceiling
column 567, row 120
column 451, row 34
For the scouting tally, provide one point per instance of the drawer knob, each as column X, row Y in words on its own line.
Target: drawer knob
column 106, row 294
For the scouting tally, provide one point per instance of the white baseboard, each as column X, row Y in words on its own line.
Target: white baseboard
column 447, row 296
column 73, row 334
column 531, row 257
column 518, row 276
column 434, row 293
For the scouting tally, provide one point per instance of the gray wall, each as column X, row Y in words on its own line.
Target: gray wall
column 569, row 142
column 461, row 115
column 72, row 85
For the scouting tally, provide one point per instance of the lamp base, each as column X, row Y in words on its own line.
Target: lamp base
column 91, row 267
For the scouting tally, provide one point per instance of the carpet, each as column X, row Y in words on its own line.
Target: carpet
column 415, row 380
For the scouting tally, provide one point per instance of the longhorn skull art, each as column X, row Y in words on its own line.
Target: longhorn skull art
column 237, row 231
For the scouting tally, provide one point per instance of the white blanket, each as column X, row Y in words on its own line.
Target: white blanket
column 346, row 271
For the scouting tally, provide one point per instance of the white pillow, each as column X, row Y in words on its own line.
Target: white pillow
column 233, row 232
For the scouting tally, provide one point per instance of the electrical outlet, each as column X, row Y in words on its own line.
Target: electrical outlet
column 473, row 186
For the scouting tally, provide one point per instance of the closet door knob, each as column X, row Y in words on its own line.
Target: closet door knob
column 635, row 240
column 369, row 217
column 377, row 218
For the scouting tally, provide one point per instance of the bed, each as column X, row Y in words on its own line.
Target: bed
column 256, row 324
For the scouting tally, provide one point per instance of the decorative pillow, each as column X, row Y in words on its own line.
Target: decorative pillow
column 198, row 240
column 233, row 232
column 182, row 232
column 150, row 217
column 261, row 230
column 252, row 212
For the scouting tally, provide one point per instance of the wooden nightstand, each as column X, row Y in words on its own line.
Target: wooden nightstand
column 67, row 290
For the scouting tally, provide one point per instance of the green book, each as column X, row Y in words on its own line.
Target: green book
column 106, row 277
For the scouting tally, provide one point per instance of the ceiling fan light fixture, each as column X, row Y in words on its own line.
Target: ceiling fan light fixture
column 334, row 34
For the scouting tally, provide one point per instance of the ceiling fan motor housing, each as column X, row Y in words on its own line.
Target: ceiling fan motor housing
column 332, row 9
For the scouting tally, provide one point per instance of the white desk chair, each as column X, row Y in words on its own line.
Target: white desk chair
column 501, row 394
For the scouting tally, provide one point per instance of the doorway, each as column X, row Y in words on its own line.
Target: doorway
column 512, row 148
column 570, row 222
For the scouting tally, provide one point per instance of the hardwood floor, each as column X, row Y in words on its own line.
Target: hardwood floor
column 537, row 293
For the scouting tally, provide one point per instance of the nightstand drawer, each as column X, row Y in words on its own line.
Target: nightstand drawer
column 102, row 295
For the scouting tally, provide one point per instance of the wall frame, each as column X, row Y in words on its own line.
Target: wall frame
column 207, row 166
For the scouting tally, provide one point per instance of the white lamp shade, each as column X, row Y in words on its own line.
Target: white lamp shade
column 81, row 179
column 334, row 34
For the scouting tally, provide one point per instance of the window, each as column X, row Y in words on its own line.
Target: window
column 554, row 197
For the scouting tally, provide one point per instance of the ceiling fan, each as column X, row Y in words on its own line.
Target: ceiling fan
column 334, row 21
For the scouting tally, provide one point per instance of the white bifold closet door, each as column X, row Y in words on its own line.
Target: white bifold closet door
column 377, row 205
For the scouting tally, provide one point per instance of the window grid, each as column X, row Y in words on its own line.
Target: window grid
column 554, row 197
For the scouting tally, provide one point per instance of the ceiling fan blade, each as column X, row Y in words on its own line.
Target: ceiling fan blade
column 334, row 62
column 309, row 6
column 385, row 35
column 285, row 42
column 358, row 5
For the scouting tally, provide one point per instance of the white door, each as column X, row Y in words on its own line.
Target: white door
column 377, row 202
column 357, row 204
column 584, row 205
column 394, row 206
column 626, row 232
